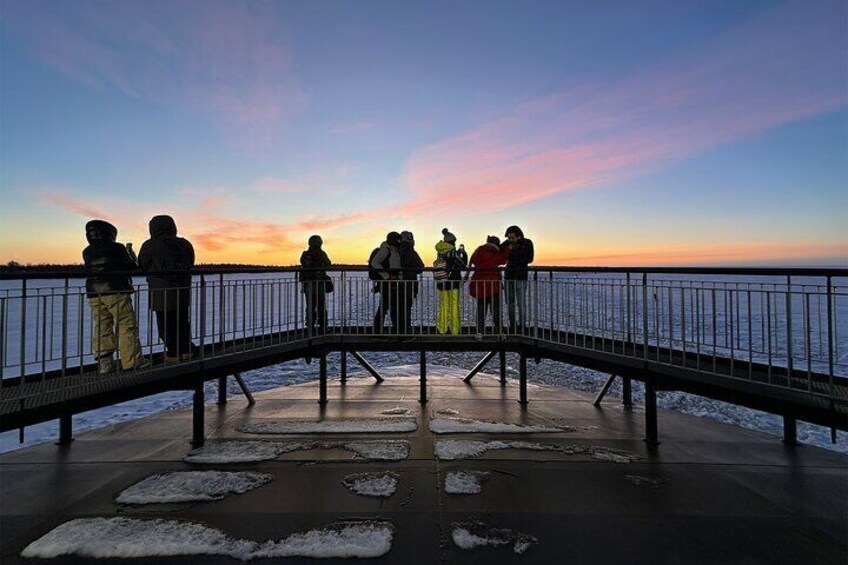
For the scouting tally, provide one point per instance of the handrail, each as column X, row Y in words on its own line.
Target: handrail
column 752, row 271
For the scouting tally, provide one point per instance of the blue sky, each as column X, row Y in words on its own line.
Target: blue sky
column 614, row 132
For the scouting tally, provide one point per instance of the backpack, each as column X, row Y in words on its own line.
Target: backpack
column 374, row 274
column 440, row 269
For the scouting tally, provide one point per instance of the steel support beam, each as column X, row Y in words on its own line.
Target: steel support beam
column 479, row 366
column 322, row 384
column 222, row 391
column 502, row 355
column 198, row 434
column 522, row 380
column 603, row 392
column 423, row 378
column 246, row 391
column 790, row 430
column 651, row 437
column 343, row 367
column 367, row 366
column 66, row 430
column 626, row 392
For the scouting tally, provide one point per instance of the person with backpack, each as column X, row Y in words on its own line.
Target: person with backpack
column 485, row 285
column 447, row 271
column 411, row 268
column 168, row 260
column 316, row 283
column 515, row 275
column 384, row 267
column 109, row 290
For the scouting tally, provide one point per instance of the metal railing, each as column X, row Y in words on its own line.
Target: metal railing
column 780, row 327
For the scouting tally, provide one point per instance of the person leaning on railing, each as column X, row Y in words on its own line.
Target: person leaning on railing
column 485, row 285
column 170, row 291
column 316, row 282
column 384, row 267
column 109, row 290
column 515, row 276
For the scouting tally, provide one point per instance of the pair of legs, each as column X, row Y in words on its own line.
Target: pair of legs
column 389, row 304
column 316, row 308
column 175, row 331
column 115, row 329
column 493, row 303
column 406, row 296
column 448, row 320
column 516, row 300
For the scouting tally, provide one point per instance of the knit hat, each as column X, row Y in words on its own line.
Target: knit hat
column 448, row 236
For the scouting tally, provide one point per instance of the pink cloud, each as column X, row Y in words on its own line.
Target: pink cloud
column 786, row 66
column 227, row 61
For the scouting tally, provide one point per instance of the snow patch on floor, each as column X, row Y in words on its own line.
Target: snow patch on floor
column 465, row 482
column 640, row 481
column 451, row 449
column 227, row 452
column 464, row 426
column 380, row 485
column 398, row 411
column 448, row 412
column 383, row 425
column 468, row 535
column 120, row 537
column 191, row 486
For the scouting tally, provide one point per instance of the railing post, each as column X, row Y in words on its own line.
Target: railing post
column 23, row 328
column 64, row 328
column 221, row 309
column 790, row 430
column 202, row 321
column 536, row 304
column 830, row 347
column 789, row 336
column 343, row 367
column 645, row 340
column 222, row 391
column 66, row 433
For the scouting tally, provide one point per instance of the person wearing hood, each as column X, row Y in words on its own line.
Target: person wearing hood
column 411, row 268
column 385, row 268
column 515, row 275
column 485, row 284
column 109, row 290
column 316, row 282
column 447, row 272
column 168, row 260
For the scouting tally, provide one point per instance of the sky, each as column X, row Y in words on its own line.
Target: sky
column 662, row 133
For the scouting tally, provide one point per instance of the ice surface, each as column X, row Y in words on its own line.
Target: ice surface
column 380, row 485
column 382, row 425
column 463, row 426
column 468, row 535
column 465, row 482
column 191, row 486
column 120, row 537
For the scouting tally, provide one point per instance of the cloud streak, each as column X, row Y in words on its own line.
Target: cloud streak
column 226, row 61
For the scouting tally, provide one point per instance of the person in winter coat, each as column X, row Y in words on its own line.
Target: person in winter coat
column 485, row 284
column 515, row 275
column 316, row 282
column 411, row 268
column 386, row 265
column 168, row 259
column 447, row 271
column 109, row 290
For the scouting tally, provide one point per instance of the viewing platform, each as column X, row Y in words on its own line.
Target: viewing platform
column 597, row 493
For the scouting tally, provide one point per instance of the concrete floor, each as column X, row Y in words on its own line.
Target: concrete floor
column 726, row 495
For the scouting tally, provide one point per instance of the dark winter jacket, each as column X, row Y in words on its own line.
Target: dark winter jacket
column 387, row 262
column 104, row 256
column 486, row 280
column 164, row 252
column 521, row 256
column 314, row 260
column 411, row 264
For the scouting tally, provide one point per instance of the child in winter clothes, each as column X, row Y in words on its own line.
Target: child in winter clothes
column 448, row 274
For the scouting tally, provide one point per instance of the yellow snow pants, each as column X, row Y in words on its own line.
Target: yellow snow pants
column 448, row 319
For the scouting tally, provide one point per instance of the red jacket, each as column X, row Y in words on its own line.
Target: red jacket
column 486, row 280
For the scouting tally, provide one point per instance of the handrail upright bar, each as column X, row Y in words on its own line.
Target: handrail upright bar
column 202, row 321
column 830, row 344
column 23, row 329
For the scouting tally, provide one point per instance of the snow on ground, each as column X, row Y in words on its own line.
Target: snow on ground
column 226, row 452
column 465, row 482
column 382, row 425
column 448, row 412
column 639, row 481
column 399, row 411
column 191, row 486
column 451, row 449
column 120, row 537
column 463, row 426
column 380, row 485
column 468, row 535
